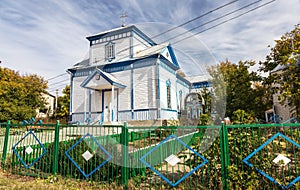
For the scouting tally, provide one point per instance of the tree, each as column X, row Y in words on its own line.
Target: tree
column 63, row 109
column 240, row 93
column 20, row 96
column 283, row 65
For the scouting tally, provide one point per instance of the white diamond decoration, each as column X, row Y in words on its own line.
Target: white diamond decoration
column 29, row 150
column 172, row 160
column 281, row 157
column 87, row 155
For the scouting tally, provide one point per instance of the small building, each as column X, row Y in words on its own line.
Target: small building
column 49, row 106
column 127, row 77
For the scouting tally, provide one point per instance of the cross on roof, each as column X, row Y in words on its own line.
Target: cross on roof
column 123, row 18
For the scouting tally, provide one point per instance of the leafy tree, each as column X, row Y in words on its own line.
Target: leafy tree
column 63, row 108
column 283, row 65
column 20, row 96
column 240, row 93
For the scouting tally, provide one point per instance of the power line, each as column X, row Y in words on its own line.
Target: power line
column 221, row 23
column 196, row 18
column 59, row 82
column 57, row 76
column 213, row 20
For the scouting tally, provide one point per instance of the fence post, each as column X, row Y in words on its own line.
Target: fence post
column 56, row 147
column 5, row 147
column 125, row 163
column 224, row 155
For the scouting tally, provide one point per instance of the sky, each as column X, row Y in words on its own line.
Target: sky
column 46, row 37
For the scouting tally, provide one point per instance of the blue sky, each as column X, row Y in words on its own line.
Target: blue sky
column 46, row 37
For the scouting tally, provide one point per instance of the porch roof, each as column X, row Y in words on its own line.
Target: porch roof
column 100, row 80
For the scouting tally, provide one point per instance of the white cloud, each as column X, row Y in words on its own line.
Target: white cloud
column 46, row 37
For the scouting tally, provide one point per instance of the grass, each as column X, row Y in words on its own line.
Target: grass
column 17, row 182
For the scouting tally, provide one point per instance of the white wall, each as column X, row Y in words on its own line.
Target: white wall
column 144, row 88
column 79, row 95
column 164, row 76
column 124, row 94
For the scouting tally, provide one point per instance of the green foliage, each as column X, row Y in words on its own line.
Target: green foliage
column 243, row 88
column 63, row 109
column 242, row 142
column 283, row 64
column 204, row 119
column 241, row 117
column 20, row 96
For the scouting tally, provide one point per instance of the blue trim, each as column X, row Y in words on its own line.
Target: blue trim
column 90, row 104
column 113, row 67
column 170, row 110
column 131, row 44
column 167, row 66
column 173, row 57
column 37, row 159
column 246, row 160
column 101, row 147
column 201, row 84
column 71, row 96
column 173, row 184
column 183, row 80
column 138, row 110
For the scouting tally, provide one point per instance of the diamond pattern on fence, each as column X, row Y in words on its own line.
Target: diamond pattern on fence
column 172, row 160
column 279, row 159
column 87, row 155
column 29, row 150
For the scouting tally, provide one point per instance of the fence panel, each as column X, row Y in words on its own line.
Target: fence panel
column 181, row 157
column 264, row 156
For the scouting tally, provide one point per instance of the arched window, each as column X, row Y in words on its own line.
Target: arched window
column 168, row 84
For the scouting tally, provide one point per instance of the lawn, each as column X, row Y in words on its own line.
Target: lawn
column 17, row 182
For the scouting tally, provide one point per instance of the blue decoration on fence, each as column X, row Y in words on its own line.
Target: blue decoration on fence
column 246, row 160
column 101, row 147
column 29, row 152
column 164, row 177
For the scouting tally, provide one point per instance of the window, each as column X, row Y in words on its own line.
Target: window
column 180, row 100
column 110, row 51
column 168, row 83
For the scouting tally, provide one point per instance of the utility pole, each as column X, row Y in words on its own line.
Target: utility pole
column 56, row 100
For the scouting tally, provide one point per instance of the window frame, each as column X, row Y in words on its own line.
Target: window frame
column 110, row 51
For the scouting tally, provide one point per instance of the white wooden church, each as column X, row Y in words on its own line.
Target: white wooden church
column 127, row 77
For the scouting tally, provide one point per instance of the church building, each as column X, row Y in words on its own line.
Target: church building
column 127, row 77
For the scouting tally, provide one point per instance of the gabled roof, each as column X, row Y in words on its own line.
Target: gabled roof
column 101, row 80
column 159, row 49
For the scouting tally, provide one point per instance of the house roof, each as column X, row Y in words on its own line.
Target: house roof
column 151, row 50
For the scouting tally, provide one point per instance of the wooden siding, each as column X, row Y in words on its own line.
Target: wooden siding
column 144, row 88
column 122, row 52
column 139, row 44
column 96, row 101
column 79, row 96
column 124, row 94
column 164, row 76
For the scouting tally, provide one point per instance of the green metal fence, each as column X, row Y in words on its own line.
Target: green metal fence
column 181, row 157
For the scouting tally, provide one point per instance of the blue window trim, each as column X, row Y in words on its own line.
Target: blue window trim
column 168, row 85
